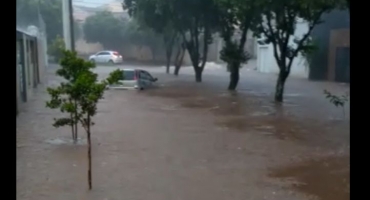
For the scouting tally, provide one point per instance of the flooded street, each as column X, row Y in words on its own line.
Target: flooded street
column 185, row 140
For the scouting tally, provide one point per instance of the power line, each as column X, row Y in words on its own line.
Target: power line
column 71, row 24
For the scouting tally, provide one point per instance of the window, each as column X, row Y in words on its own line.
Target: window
column 103, row 53
column 143, row 75
column 129, row 75
column 147, row 75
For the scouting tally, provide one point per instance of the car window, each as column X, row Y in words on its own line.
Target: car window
column 103, row 53
column 143, row 75
column 129, row 75
column 149, row 77
column 122, row 75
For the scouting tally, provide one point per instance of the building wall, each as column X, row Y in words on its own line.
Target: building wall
column 266, row 62
column 84, row 47
column 319, row 62
column 338, row 38
column 30, row 68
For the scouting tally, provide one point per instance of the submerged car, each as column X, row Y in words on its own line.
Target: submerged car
column 109, row 57
column 134, row 79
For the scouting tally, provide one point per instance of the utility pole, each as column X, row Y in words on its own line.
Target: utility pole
column 71, row 24
column 68, row 30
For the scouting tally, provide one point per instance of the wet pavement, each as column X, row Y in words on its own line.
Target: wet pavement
column 185, row 140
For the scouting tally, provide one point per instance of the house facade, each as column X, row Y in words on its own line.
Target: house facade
column 31, row 63
column 331, row 61
column 266, row 62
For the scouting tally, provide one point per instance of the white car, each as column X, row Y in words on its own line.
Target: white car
column 134, row 79
column 110, row 57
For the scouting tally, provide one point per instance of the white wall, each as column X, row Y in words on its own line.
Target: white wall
column 266, row 62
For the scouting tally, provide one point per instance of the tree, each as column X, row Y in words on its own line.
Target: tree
column 140, row 35
column 181, row 49
column 159, row 20
column 85, row 91
column 104, row 28
column 56, row 48
column 196, row 22
column 114, row 33
column 278, row 26
column 193, row 20
column 236, row 17
column 70, row 70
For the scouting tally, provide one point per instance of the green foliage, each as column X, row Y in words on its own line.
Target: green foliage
column 115, row 76
column 79, row 95
column 279, row 21
column 56, row 48
column 150, row 13
column 307, row 53
column 114, row 33
column 141, row 35
column 194, row 20
column 156, row 20
column 231, row 53
column 236, row 17
column 277, row 25
column 80, row 92
column 103, row 27
column 337, row 101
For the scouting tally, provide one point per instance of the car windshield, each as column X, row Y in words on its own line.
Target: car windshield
column 129, row 75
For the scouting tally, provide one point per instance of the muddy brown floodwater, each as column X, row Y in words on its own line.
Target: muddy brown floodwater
column 186, row 141
column 324, row 178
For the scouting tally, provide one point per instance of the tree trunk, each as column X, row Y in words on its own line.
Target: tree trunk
column 75, row 123
column 76, row 130
column 73, row 133
column 154, row 54
column 198, row 74
column 89, row 177
column 179, row 59
column 168, row 57
column 177, row 70
column 73, row 129
column 234, row 76
column 279, row 91
column 169, row 42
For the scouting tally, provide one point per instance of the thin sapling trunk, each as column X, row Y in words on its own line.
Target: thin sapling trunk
column 72, row 128
column 76, row 122
column 89, row 176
